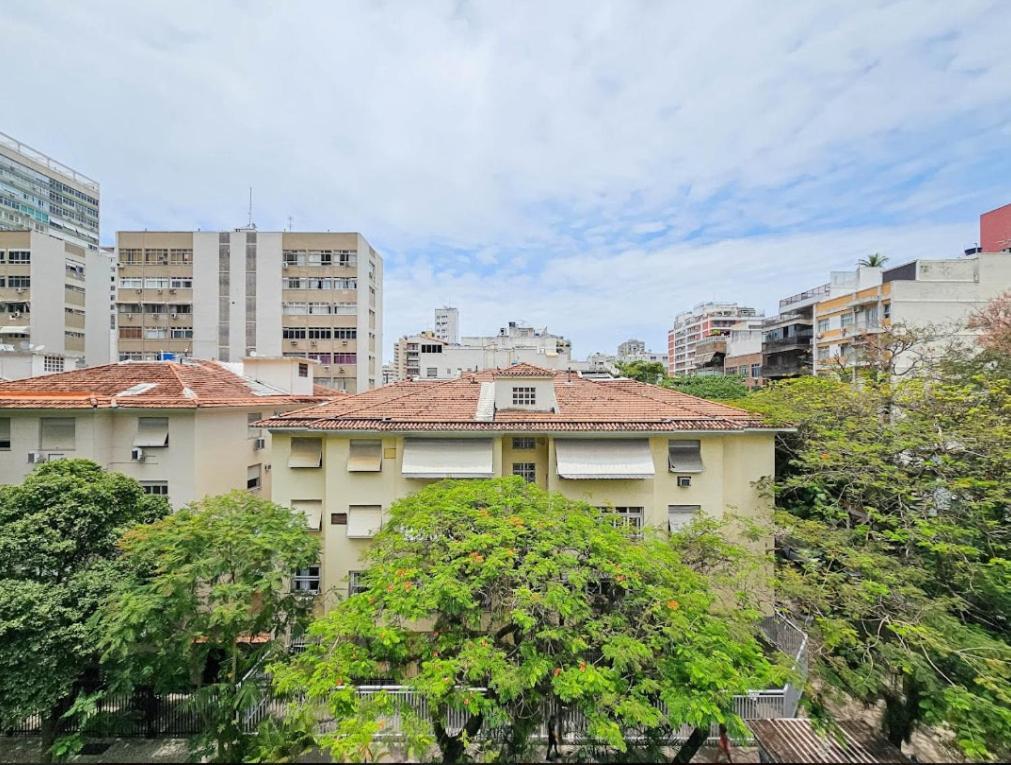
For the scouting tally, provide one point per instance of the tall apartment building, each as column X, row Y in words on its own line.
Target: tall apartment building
column 227, row 295
column 703, row 321
column 407, row 354
column 37, row 193
column 447, row 324
column 54, row 305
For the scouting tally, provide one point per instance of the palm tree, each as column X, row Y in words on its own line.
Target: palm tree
column 877, row 260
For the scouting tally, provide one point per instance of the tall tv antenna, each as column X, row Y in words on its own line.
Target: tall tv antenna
column 250, row 224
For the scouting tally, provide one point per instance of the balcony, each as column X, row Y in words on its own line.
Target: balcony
column 801, row 341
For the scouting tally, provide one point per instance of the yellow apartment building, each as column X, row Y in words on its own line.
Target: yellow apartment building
column 652, row 456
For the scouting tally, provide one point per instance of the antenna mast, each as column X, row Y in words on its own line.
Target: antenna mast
column 251, row 224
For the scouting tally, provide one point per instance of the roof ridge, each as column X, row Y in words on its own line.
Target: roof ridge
column 184, row 387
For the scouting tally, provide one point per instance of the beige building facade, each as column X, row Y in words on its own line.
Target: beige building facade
column 228, row 295
column 183, row 430
column 54, row 305
column 652, row 457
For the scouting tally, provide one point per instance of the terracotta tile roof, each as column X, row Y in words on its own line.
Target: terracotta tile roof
column 523, row 370
column 582, row 405
column 146, row 384
column 324, row 391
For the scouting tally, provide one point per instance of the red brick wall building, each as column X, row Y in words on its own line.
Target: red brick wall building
column 995, row 229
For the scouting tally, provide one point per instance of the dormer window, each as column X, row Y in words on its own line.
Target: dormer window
column 524, row 395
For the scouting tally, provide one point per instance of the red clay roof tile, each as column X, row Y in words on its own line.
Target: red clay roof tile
column 582, row 405
column 146, row 384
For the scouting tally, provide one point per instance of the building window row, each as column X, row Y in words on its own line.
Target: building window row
column 334, row 358
column 156, row 256
column 319, row 333
column 320, row 258
column 15, row 256
column 156, row 282
column 319, row 309
column 325, row 283
column 154, row 308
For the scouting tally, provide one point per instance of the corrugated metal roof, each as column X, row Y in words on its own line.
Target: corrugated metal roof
column 796, row 740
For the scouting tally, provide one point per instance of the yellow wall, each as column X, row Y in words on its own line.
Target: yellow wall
column 732, row 462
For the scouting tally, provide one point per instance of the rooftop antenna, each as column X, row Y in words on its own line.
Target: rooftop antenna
column 291, row 223
column 251, row 224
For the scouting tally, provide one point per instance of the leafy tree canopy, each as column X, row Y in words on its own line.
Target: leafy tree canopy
column 714, row 387
column 542, row 602
column 206, row 600
column 898, row 543
column 652, row 372
column 58, row 534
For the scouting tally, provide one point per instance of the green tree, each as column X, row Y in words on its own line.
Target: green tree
column 652, row 372
column 544, row 603
column 207, row 599
column 899, row 546
column 714, row 387
column 58, row 534
column 876, row 260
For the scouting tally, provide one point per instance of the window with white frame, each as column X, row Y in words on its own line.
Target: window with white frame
column 680, row 516
column 254, row 477
column 525, row 470
column 630, row 518
column 58, row 433
column 355, row 585
column 306, row 580
column 524, row 395
column 156, row 488
column 52, row 364
column 5, row 433
column 523, row 443
column 846, row 320
column 823, row 325
column 19, row 256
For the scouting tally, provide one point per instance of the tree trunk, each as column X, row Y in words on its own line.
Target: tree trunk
column 902, row 712
column 453, row 747
column 692, row 745
column 52, row 725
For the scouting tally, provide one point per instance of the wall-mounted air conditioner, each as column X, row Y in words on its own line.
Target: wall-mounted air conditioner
column 261, row 443
column 36, row 458
column 137, row 454
column 684, row 481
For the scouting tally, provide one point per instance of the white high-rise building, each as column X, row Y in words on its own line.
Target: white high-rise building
column 231, row 294
column 39, row 194
column 54, row 305
column 447, row 324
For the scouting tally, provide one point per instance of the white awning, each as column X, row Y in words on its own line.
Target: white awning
column 152, row 432
column 312, row 509
column 447, row 458
column 365, row 457
column 594, row 458
column 9, row 330
column 306, row 453
column 364, row 521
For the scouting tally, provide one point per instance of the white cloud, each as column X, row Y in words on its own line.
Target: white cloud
column 509, row 157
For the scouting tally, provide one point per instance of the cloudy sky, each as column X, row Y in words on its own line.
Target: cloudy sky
column 591, row 166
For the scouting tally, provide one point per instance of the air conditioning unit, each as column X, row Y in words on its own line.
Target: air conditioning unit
column 261, row 443
column 294, row 342
column 172, row 292
column 20, row 290
column 161, row 292
column 313, row 343
column 137, row 454
column 175, row 316
column 344, row 342
column 36, row 458
column 684, row 481
column 284, row 265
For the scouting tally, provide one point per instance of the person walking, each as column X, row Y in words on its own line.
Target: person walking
column 723, row 747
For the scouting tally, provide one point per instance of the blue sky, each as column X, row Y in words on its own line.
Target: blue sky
column 595, row 167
